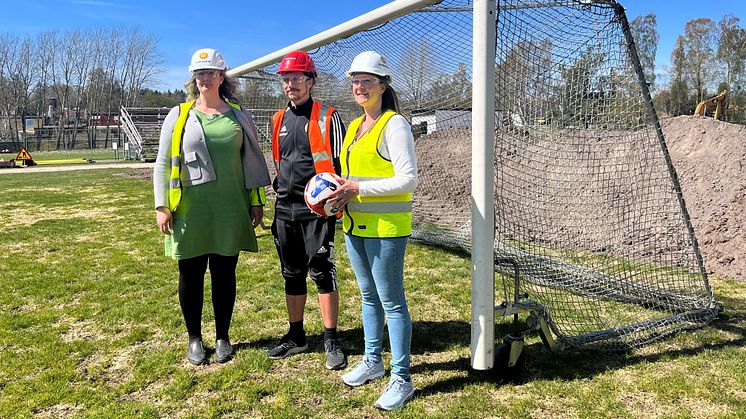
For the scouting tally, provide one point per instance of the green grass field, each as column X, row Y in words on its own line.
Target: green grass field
column 90, row 327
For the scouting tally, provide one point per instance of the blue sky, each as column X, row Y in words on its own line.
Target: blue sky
column 245, row 30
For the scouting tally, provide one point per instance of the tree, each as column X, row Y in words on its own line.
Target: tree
column 154, row 99
column 25, row 76
column 453, row 89
column 679, row 95
column 523, row 79
column 584, row 89
column 699, row 52
column 327, row 88
column 64, row 56
column 45, row 47
column 263, row 91
column 82, row 72
column 416, row 70
column 645, row 33
column 7, row 46
column 20, row 73
column 731, row 50
column 141, row 65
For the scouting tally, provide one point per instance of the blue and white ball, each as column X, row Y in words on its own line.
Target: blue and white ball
column 317, row 192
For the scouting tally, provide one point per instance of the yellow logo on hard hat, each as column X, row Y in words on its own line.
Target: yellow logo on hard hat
column 203, row 55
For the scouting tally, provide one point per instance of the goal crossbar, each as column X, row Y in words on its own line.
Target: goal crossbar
column 368, row 20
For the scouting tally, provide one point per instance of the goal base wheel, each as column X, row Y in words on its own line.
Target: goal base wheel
column 509, row 359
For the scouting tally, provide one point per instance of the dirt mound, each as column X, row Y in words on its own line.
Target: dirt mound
column 709, row 157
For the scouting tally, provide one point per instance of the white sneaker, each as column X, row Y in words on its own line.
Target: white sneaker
column 397, row 392
column 363, row 372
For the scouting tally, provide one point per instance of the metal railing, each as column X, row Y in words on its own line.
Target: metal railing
column 133, row 134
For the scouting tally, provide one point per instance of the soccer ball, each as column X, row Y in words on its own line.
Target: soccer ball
column 318, row 190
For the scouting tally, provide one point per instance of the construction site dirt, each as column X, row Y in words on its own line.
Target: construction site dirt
column 710, row 158
column 708, row 155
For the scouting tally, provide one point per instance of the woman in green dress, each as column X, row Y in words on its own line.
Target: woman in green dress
column 208, row 183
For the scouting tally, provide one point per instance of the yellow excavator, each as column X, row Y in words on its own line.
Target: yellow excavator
column 716, row 101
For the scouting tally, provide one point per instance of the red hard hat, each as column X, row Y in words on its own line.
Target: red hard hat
column 297, row 61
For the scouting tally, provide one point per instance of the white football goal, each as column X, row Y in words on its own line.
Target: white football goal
column 539, row 152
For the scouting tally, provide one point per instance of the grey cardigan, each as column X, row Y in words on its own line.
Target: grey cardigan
column 196, row 165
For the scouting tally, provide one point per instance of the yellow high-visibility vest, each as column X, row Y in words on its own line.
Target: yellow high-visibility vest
column 373, row 216
column 174, row 184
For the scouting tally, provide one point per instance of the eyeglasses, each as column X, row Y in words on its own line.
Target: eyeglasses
column 293, row 79
column 365, row 82
column 207, row 74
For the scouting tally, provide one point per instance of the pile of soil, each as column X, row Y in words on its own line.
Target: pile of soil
column 709, row 157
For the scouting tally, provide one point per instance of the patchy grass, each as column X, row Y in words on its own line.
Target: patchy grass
column 90, row 327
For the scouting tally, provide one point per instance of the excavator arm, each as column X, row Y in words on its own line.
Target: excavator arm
column 716, row 101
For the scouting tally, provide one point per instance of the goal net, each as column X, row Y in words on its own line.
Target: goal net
column 587, row 202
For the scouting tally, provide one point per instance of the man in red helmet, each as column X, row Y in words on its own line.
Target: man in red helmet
column 306, row 140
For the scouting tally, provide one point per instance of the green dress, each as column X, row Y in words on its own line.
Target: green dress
column 214, row 217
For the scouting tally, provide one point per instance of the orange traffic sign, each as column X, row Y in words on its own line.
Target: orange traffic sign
column 24, row 155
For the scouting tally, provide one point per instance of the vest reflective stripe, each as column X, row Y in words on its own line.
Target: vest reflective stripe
column 373, row 216
column 174, row 191
column 317, row 157
column 319, row 137
column 380, row 207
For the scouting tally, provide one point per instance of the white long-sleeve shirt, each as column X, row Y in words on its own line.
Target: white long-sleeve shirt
column 397, row 146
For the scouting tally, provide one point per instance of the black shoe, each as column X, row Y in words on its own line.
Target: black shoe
column 285, row 347
column 335, row 357
column 223, row 351
column 196, row 353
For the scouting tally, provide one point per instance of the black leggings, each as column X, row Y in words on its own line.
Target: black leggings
column 192, row 287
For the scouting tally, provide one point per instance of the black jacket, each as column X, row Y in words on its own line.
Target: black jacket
column 296, row 161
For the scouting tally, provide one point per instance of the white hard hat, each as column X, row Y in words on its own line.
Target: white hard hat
column 207, row 58
column 370, row 62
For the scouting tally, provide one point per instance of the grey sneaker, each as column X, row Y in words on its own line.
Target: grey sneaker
column 363, row 372
column 397, row 392
column 285, row 347
column 223, row 351
column 335, row 357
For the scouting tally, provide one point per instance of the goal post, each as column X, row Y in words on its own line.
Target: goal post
column 482, row 186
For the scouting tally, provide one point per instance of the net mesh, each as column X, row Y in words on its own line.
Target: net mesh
column 586, row 201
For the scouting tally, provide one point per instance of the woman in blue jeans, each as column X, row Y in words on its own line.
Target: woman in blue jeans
column 379, row 173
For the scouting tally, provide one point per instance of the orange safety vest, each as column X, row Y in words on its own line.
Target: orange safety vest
column 319, row 137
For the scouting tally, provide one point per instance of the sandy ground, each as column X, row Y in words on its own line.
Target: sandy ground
column 709, row 157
